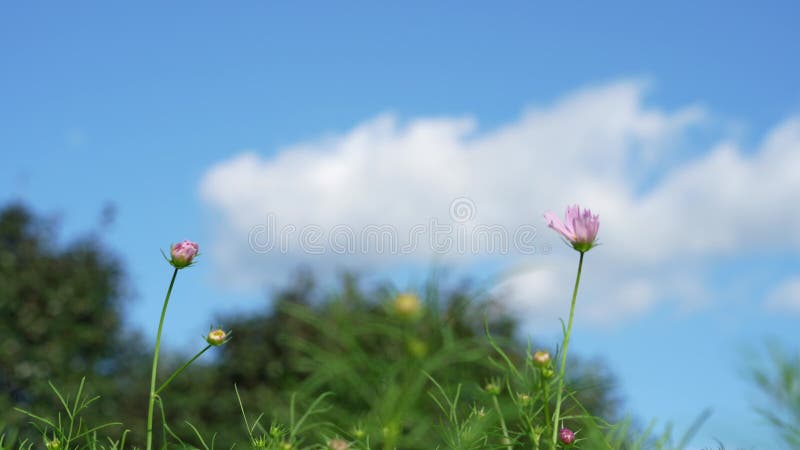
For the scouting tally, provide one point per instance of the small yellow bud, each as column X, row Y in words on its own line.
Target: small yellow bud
column 338, row 444
column 524, row 399
column 276, row 431
column 390, row 431
column 217, row 337
column 407, row 305
column 417, row 348
column 492, row 388
column 286, row 446
column 541, row 358
column 260, row 442
column 548, row 373
column 55, row 444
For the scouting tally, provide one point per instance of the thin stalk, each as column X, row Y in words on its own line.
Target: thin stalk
column 152, row 399
column 182, row 368
column 562, row 369
column 546, row 390
column 506, row 439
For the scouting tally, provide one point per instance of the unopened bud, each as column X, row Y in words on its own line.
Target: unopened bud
column 566, row 436
column 183, row 253
column 260, row 442
column 492, row 388
column 417, row 347
column 338, row 444
column 390, row 431
column 407, row 305
column 541, row 358
column 217, row 337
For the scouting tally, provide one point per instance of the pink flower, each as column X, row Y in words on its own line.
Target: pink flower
column 566, row 436
column 580, row 229
column 183, row 253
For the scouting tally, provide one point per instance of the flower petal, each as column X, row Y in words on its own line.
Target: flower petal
column 555, row 223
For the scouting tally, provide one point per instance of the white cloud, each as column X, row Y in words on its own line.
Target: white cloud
column 589, row 147
column 534, row 291
column 785, row 297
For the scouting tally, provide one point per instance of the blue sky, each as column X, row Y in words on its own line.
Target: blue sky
column 155, row 107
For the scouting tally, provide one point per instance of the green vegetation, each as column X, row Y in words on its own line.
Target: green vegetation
column 778, row 380
column 360, row 367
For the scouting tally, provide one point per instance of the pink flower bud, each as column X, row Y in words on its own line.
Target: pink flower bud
column 183, row 253
column 566, row 436
column 580, row 229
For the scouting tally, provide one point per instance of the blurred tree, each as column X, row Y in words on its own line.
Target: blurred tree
column 59, row 314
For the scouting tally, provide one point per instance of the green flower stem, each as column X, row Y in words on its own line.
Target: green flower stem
column 506, row 439
column 155, row 365
column 184, row 366
column 563, row 367
column 546, row 391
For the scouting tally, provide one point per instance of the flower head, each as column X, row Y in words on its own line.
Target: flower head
column 407, row 305
column 493, row 388
column 541, row 358
column 183, row 253
column 566, row 436
column 217, row 337
column 580, row 229
column 338, row 444
column 55, row 444
column 417, row 347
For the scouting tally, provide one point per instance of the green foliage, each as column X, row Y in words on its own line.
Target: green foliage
column 279, row 437
column 367, row 367
column 376, row 359
column 778, row 379
column 59, row 314
column 67, row 428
